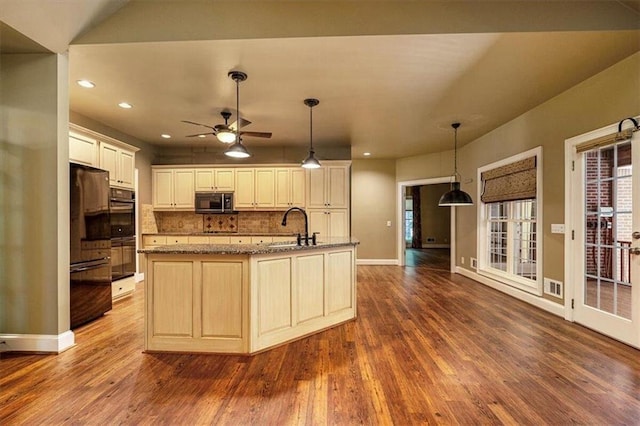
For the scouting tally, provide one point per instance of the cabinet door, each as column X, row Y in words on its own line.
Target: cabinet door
column 126, row 167
column 283, row 188
column 244, row 195
column 298, row 187
column 224, row 180
column 339, row 281
column 222, row 300
column 183, row 192
column 316, row 188
column 265, row 194
column 319, row 222
column 109, row 162
column 337, row 187
column 338, row 223
column 162, row 189
column 204, row 179
column 83, row 150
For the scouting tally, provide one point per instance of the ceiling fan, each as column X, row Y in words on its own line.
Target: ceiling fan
column 226, row 133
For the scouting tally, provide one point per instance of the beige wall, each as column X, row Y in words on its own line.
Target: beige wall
column 34, row 194
column 373, row 203
column 436, row 220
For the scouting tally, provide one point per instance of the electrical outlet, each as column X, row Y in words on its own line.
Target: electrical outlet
column 474, row 263
column 389, row 223
column 553, row 287
column 462, row 260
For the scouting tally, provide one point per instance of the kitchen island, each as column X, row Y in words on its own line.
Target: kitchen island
column 245, row 298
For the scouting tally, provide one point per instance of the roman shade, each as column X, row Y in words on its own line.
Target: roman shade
column 605, row 140
column 514, row 181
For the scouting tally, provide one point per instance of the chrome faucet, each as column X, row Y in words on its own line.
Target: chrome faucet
column 306, row 227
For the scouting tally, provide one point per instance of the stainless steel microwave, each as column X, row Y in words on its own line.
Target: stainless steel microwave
column 214, row 202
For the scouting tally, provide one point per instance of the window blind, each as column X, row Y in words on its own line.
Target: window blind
column 514, row 181
column 604, row 140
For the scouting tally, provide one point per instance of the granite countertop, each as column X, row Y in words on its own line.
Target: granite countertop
column 224, row 234
column 246, row 248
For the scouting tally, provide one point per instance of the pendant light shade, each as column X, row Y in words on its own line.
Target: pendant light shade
column 311, row 162
column 237, row 150
column 455, row 197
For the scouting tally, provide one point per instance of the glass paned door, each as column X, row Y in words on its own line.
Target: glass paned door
column 607, row 297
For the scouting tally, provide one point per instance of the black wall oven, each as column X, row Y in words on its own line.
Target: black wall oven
column 123, row 233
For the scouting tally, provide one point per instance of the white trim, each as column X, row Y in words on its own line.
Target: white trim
column 37, row 342
column 393, row 262
column 481, row 231
column 400, row 241
column 139, row 276
column 539, row 302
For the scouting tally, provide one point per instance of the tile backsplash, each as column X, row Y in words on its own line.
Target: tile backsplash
column 267, row 222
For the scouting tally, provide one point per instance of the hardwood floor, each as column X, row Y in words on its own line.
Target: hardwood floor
column 428, row 347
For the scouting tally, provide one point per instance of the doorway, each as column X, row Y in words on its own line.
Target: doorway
column 437, row 250
column 605, row 224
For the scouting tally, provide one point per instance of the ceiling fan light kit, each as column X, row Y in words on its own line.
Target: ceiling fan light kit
column 237, row 150
column 311, row 162
column 223, row 132
column 456, row 196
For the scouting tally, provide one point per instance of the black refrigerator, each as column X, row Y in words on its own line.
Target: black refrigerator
column 90, row 243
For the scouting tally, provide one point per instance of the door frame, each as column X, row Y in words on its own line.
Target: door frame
column 400, row 207
column 574, row 218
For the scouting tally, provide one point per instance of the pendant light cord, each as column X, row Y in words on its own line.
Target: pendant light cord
column 455, row 150
column 238, row 110
column 311, row 128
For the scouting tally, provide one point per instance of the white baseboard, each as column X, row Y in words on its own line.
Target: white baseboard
column 428, row 245
column 37, row 342
column 376, row 261
column 139, row 276
column 537, row 301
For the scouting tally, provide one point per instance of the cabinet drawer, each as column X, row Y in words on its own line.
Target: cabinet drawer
column 122, row 287
column 198, row 239
column 261, row 240
column 219, row 239
column 240, row 240
column 180, row 239
column 154, row 240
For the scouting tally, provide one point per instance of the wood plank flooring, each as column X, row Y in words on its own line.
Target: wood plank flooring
column 428, row 347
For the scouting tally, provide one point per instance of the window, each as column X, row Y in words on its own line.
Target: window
column 408, row 220
column 512, row 244
column 509, row 219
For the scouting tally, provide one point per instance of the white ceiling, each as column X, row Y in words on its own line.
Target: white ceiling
column 384, row 90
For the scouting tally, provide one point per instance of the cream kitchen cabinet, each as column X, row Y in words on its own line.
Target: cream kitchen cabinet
column 328, row 223
column 83, row 149
column 255, row 189
column 173, row 189
column 120, row 163
column 328, row 186
column 215, row 180
column 290, row 188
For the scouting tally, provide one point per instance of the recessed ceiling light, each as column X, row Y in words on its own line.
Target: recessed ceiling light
column 166, row 136
column 125, row 105
column 366, row 154
column 86, row 83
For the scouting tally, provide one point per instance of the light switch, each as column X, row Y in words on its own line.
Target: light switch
column 388, row 223
column 557, row 228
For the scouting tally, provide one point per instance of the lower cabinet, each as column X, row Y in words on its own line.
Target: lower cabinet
column 122, row 287
column 197, row 305
column 299, row 295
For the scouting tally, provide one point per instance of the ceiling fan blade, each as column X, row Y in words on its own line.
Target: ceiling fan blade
column 198, row 124
column 257, row 134
column 199, row 134
column 243, row 123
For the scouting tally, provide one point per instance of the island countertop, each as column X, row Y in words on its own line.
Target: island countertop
column 250, row 249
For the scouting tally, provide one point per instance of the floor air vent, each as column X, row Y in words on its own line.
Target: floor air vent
column 553, row 287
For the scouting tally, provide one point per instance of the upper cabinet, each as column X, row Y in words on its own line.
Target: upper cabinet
column 93, row 149
column 83, row 149
column 290, row 187
column 215, row 179
column 255, row 189
column 119, row 163
column 328, row 186
column 173, row 189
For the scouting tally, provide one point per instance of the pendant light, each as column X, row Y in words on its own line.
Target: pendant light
column 236, row 149
column 455, row 197
column 311, row 162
